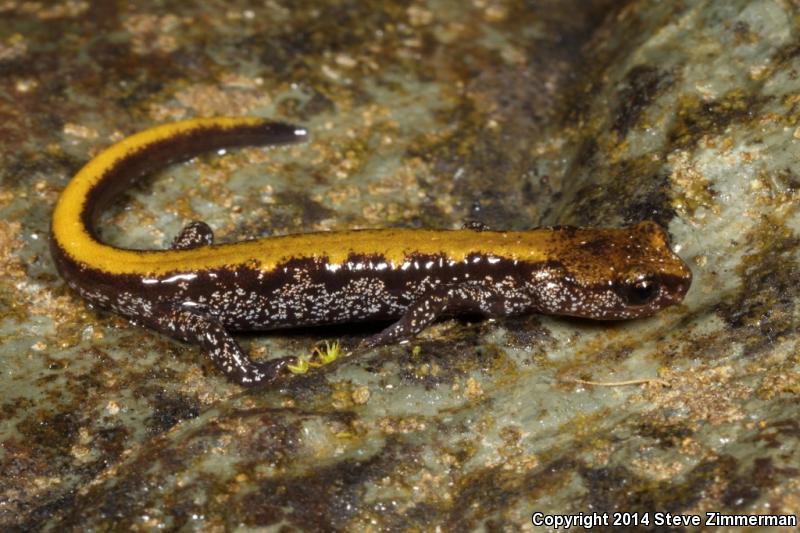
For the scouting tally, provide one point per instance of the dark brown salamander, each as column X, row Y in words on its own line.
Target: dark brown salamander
column 199, row 291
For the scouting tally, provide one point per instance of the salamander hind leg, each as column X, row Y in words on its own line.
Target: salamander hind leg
column 209, row 333
column 193, row 235
column 443, row 300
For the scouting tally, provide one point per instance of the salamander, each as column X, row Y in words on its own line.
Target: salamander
column 200, row 291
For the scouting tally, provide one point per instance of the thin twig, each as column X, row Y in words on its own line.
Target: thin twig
column 661, row 382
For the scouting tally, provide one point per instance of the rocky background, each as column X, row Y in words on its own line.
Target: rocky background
column 423, row 114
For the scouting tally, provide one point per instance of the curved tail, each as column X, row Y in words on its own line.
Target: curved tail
column 118, row 166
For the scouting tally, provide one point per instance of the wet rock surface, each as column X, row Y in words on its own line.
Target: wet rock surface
column 514, row 114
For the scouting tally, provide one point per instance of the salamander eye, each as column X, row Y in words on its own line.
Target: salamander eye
column 640, row 291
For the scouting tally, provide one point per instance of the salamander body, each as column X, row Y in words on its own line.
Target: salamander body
column 199, row 291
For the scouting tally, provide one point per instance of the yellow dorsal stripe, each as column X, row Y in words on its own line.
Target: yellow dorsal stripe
column 70, row 233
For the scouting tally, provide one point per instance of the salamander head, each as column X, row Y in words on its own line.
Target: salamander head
column 611, row 273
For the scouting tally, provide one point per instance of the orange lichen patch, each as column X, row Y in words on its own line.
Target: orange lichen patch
column 659, row 470
column 703, row 394
column 48, row 10
column 779, row 190
column 11, row 266
column 13, row 47
column 78, row 130
column 492, row 11
column 151, row 33
column 6, row 197
column 473, row 390
column 418, row 16
column 360, row 395
column 784, row 382
column 692, row 189
column 584, row 426
column 62, row 309
column 28, row 298
column 211, row 100
column 407, row 424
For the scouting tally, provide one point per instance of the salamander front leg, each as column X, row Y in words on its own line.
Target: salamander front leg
column 193, row 235
column 444, row 300
column 221, row 347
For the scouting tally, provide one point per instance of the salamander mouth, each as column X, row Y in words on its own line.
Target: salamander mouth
column 676, row 287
